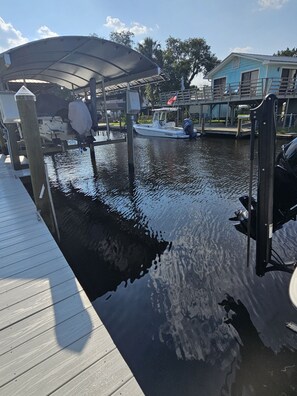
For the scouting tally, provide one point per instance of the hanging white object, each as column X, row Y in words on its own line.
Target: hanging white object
column 293, row 288
column 9, row 112
column 79, row 117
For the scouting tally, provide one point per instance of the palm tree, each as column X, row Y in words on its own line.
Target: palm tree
column 152, row 50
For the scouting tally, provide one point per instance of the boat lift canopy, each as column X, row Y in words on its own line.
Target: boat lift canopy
column 72, row 61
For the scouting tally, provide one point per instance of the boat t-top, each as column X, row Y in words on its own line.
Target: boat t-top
column 162, row 127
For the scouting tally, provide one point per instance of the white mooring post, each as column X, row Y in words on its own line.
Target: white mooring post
column 42, row 196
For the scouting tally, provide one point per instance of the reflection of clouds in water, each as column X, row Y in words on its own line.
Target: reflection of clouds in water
column 194, row 277
column 194, row 328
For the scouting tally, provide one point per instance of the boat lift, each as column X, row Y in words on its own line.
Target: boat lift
column 276, row 202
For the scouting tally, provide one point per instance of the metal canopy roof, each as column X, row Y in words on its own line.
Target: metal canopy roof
column 71, row 61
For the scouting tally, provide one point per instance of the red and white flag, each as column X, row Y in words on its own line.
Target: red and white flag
column 171, row 100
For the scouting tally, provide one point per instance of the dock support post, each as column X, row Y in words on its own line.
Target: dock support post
column 42, row 195
column 13, row 146
column 286, row 113
column 93, row 104
column 105, row 110
column 239, row 124
column 203, row 125
column 3, row 143
column 92, row 153
column 227, row 114
column 130, row 144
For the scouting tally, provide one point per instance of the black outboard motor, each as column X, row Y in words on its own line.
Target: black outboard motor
column 285, row 185
column 189, row 127
column 284, row 195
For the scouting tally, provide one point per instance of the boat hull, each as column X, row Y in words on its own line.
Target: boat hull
column 151, row 131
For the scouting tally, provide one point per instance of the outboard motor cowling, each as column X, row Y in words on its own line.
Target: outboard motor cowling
column 284, row 195
column 285, row 184
column 189, row 127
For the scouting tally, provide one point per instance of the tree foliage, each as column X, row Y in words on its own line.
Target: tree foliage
column 124, row 38
column 287, row 52
column 151, row 49
column 185, row 59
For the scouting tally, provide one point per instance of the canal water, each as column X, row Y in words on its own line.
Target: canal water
column 166, row 270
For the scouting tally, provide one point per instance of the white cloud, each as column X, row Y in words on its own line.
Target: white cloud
column 273, row 4
column 118, row 26
column 246, row 49
column 45, row 32
column 138, row 29
column 9, row 36
column 115, row 24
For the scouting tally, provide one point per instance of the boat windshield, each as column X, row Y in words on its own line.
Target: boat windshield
column 163, row 115
column 160, row 116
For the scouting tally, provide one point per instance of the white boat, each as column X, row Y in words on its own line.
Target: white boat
column 52, row 128
column 161, row 127
column 78, row 125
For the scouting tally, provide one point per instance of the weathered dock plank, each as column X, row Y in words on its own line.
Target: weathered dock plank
column 109, row 371
column 26, row 264
column 52, row 340
column 32, row 326
column 44, row 270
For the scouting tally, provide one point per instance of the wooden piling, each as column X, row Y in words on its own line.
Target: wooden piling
column 3, row 143
column 27, row 110
column 130, row 119
column 93, row 104
column 13, row 146
column 203, row 125
column 239, row 127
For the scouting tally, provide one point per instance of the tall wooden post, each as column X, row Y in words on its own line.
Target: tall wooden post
column 3, row 143
column 130, row 119
column 105, row 110
column 203, row 125
column 132, row 107
column 239, row 125
column 42, row 196
column 13, row 146
column 93, row 107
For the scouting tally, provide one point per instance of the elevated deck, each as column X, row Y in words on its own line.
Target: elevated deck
column 236, row 93
column 52, row 340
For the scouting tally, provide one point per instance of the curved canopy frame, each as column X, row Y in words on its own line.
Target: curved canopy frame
column 72, row 61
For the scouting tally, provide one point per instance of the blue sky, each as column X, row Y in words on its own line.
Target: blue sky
column 254, row 26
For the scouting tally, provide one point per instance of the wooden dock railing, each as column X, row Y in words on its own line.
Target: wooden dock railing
column 284, row 88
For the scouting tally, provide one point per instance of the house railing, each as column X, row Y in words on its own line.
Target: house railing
column 235, row 92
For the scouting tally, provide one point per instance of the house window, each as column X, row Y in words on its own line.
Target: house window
column 288, row 81
column 219, row 86
column 249, row 81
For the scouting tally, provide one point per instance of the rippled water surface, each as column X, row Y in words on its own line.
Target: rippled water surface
column 167, row 271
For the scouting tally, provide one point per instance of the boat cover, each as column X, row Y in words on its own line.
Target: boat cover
column 80, row 117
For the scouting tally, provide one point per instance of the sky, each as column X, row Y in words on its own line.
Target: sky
column 252, row 26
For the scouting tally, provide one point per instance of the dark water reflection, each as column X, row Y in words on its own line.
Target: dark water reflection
column 193, row 320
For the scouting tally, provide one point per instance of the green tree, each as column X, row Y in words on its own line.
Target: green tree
column 151, row 49
column 124, row 38
column 185, row 59
column 287, row 52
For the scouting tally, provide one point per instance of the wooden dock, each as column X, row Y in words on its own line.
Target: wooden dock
column 52, row 340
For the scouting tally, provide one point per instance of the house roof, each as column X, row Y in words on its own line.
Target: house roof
column 272, row 59
column 71, row 61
